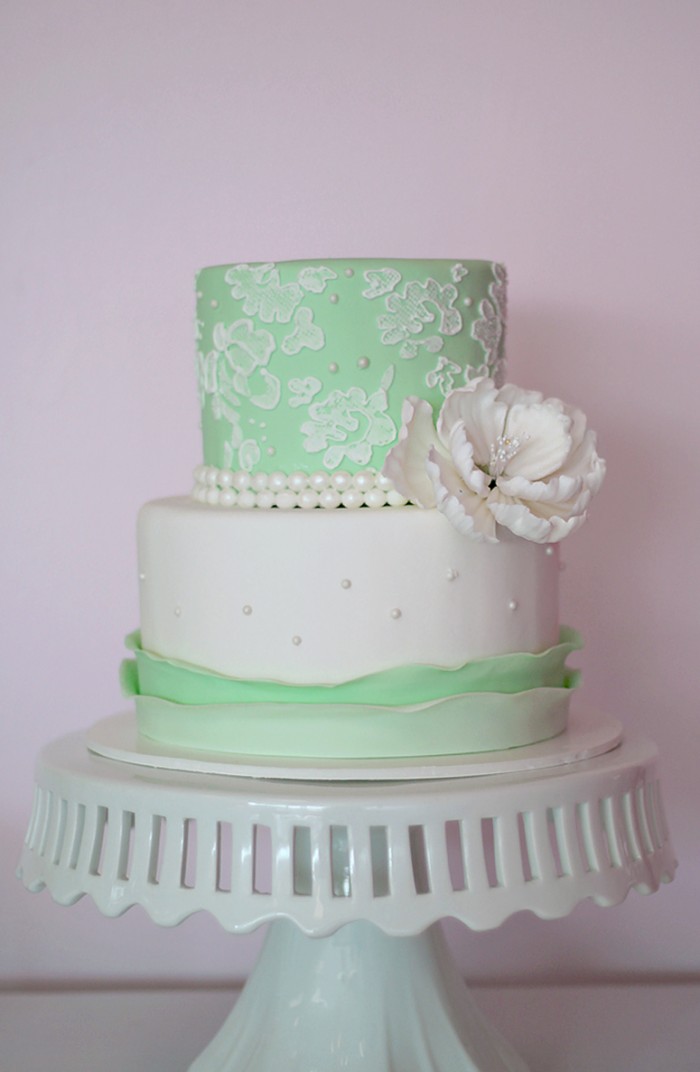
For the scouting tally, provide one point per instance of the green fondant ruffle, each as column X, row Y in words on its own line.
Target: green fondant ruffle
column 179, row 683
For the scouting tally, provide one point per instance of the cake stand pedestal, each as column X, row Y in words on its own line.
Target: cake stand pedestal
column 365, row 870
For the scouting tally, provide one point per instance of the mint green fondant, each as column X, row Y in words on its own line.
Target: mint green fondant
column 304, row 365
column 502, row 702
column 476, row 722
column 181, row 683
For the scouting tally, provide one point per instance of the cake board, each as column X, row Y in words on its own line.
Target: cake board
column 366, row 870
column 588, row 734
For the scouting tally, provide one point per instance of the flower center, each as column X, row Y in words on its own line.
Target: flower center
column 501, row 452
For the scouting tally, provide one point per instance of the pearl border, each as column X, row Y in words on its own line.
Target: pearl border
column 226, row 487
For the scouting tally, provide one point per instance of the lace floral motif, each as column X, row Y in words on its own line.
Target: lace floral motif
column 489, row 330
column 348, row 424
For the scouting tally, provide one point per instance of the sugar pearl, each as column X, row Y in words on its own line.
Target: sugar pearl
column 375, row 498
column 247, row 609
column 225, row 478
column 329, row 499
column 396, row 613
column 333, row 367
column 240, row 480
column 212, row 496
column 297, row 481
column 364, row 480
column 452, row 574
column 265, row 499
column 227, row 497
column 296, row 640
column 308, row 499
column 352, row 498
column 513, row 604
column 212, row 476
column 318, row 480
column 363, row 362
column 346, row 583
column 277, row 481
column 247, row 500
column 286, row 500
column 259, row 481
column 333, row 298
column 341, row 480
column 384, row 482
column 395, row 498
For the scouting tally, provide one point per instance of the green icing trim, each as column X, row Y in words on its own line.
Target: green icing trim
column 478, row 722
column 180, row 683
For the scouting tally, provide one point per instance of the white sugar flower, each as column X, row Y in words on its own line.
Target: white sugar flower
column 499, row 456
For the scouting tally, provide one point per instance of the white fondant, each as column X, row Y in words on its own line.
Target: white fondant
column 209, row 562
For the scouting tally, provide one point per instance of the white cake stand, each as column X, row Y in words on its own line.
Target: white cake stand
column 365, row 869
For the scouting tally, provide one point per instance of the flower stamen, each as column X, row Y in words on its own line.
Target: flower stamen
column 501, row 452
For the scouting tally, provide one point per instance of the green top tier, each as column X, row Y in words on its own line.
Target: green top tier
column 304, row 365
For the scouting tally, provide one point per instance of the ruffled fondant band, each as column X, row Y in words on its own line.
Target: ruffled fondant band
column 501, row 702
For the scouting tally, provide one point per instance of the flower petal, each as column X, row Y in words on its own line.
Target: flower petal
column 481, row 413
column 545, row 441
column 405, row 463
column 462, row 454
column 462, row 508
column 521, row 521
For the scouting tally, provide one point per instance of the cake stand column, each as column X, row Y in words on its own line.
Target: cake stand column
column 360, row 1001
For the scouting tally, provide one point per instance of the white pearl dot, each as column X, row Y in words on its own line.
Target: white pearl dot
column 333, row 367
column 278, row 481
column 225, row 478
column 346, row 583
column 271, row 451
column 296, row 640
column 318, row 480
column 259, row 481
column 212, row 496
column 240, row 480
column 199, row 493
column 513, row 604
column 199, row 473
column 247, row 609
column 396, row 613
column 352, row 498
column 334, row 298
column 349, row 272
column 212, row 476
column 227, row 497
column 452, row 574
column 308, row 499
column 341, row 480
column 395, row 498
column 297, row 481
column 329, row 499
column 549, row 551
column 214, row 303
column 247, row 500
column 363, row 362
column 384, row 482
column 142, row 576
column 178, row 611
column 468, row 302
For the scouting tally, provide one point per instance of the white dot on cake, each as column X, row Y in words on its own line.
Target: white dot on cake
column 363, row 362
column 452, row 574
column 396, row 613
column 214, row 303
column 247, row 609
column 333, row 298
column 349, row 272
column 468, row 302
column 513, row 604
column 142, row 576
column 549, row 551
column 178, row 611
column 270, row 451
column 296, row 640
column 333, row 367
column 346, row 583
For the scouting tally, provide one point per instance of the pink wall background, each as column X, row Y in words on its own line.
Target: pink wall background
column 143, row 141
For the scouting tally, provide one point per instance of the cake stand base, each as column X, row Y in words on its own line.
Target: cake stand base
column 359, row 1001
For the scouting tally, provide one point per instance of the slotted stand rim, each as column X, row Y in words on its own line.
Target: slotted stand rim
column 365, row 869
